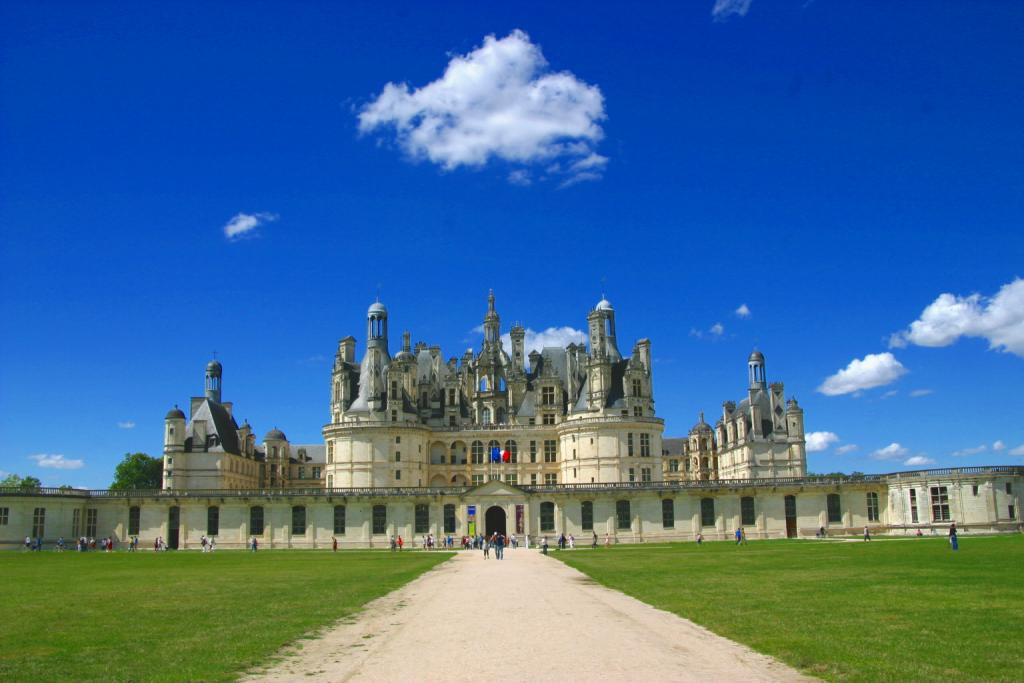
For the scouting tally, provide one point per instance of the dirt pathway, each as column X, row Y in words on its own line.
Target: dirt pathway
column 526, row 618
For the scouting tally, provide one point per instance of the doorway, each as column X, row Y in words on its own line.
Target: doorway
column 494, row 520
column 790, row 516
column 173, row 516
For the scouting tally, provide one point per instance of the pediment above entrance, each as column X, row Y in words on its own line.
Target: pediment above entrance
column 496, row 488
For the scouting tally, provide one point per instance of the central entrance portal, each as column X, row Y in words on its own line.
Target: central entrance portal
column 494, row 520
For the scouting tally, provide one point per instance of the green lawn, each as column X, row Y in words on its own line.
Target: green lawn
column 886, row 610
column 178, row 616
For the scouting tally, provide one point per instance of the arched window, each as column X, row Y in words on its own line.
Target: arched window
column 587, row 515
column 483, row 384
column 485, row 416
column 623, row 519
column 212, row 520
column 668, row 513
column 707, row 511
column 547, row 516
column 477, row 451
column 834, row 510
column 298, row 520
column 513, row 450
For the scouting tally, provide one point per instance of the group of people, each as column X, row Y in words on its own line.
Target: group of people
column 159, row 544
column 497, row 542
column 209, row 544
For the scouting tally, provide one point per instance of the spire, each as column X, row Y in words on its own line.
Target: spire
column 492, row 323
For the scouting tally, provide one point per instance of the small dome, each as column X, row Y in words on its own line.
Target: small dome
column 377, row 307
column 756, row 357
column 604, row 305
column 275, row 434
column 405, row 355
column 214, row 367
column 175, row 414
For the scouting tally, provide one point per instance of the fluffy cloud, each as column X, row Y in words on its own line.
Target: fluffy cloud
column 918, row 393
column 127, row 424
column 552, row 336
column 981, row 448
column 500, row 101
column 743, row 311
column 999, row 320
column 998, row 446
column 848, row 448
column 918, row 460
column 820, row 441
column 57, row 462
column 1019, row 450
column 724, row 9
column 874, row 370
column 243, row 224
column 891, row 452
column 714, row 332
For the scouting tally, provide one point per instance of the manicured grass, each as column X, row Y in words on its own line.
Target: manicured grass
column 906, row 610
column 178, row 616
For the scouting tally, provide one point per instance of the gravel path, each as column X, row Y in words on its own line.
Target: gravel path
column 525, row 618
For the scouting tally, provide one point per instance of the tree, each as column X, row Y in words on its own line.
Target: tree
column 138, row 471
column 15, row 482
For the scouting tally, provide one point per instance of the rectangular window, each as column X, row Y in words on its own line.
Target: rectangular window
column 1009, row 489
column 673, row 465
column 133, row 520
column 747, row 514
column 302, row 472
column 449, row 518
column 872, row 506
column 394, row 416
column 398, row 456
column 550, row 479
column 913, row 506
column 398, row 474
column 833, row 508
column 974, row 489
column 940, row 504
column 76, row 523
column 632, row 474
column 668, row 513
column 380, row 519
column 547, row 396
column 623, row 519
column 298, row 520
column 256, row 520
column 451, row 397
column 637, row 388
column 39, row 523
column 478, row 479
column 638, row 411
column 212, row 521
column 549, row 418
column 316, row 472
column 533, row 451
column 629, row 444
column 511, row 479
column 422, row 518
column 645, row 445
column 550, row 450
column 587, row 515
column 339, row 520
column 645, row 474
column 5, row 515
column 547, row 516
column 533, row 480
column 90, row 522
column 1013, row 512
column 707, row 511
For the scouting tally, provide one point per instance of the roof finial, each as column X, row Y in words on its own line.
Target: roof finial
column 490, row 301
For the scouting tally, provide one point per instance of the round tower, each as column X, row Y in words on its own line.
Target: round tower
column 214, row 371
column 755, row 368
column 377, row 327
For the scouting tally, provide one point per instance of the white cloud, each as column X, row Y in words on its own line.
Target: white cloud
column 981, row 448
column 724, row 9
column 243, row 224
column 127, row 424
column 848, row 448
column 999, row 320
column 891, row 452
column 874, row 370
column 552, row 336
column 717, row 329
column 520, row 177
column 500, row 101
column 1019, row 450
column 998, row 446
column 918, row 393
column 57, row 462
column 890, row 393
column 743, row 311
column 918, row 460
column 820, row 441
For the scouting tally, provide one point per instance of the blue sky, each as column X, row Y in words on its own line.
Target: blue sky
column 835, row 167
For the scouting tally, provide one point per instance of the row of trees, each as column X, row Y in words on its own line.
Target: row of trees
column 135, row 471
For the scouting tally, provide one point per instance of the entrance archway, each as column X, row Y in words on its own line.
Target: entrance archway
column 494, row 520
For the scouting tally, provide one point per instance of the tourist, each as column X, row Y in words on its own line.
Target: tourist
column 607, row 540
column 28, row 543
column 487, row 547
column 213, row 544
column 867, row 534
column 334, row 544
column 821, row 531
column 572, row 542
column 499, row 547
column 544, row 545
column 700, row 538
column 919, row 533
column 401, row 543
column 739, row 536
column 952, row 537
column 743, row 536
column 60, row 544
column 39, row 543
column 593, row 544
column 394, row 544
column 253, row 545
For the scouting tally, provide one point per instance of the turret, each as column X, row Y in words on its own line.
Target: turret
column 214, row 371
column 794, row 419
column 518, row 335
column 174, row 430
column 492, row 323
column 755, row 367
column 377, row 328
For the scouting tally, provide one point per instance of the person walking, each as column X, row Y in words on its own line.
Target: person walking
column 739, row 536
column 334, row 544
column 394, row 544
column 952, row 537
column 607, row 540
column 544, row 546
column 593, row 544
column 401, row 543
column 867, row 534
column 487, row 547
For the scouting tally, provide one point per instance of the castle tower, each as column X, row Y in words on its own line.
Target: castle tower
column 518, row 335
column 377, row 328
column 492, row 323
column 214, row 371
column 755, row 367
